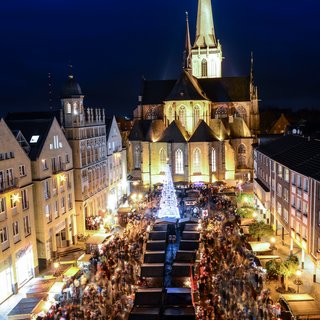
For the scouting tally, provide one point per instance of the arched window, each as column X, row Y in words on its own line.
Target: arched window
column 137, row 157
column 242, row 158
column 68, row 107
column 196, row 160
column 182, row 115
column 204, row 68
column 221, row 112
column 163, row 160
column 196, row 115
column 75, row 108
column 179, row 161
column 213, row 160
column 170, row 114
column 241, row 112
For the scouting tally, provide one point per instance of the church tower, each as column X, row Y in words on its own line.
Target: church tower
column 206, row 54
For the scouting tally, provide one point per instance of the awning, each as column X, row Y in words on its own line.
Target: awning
column 98, row 238
column 71, row 272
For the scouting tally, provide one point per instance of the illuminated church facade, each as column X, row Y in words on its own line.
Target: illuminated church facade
column 203, row 124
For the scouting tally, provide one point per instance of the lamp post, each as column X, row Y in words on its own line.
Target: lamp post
column 298, row 282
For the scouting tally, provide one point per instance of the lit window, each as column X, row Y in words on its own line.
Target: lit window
column 242, row 159
column 196, row 115
column 34, row 139
column 137, row 157
column 179, row 161
column 182, row 115
column 204, row 68
column 213, row 160
column 163, row 160
column 196, row 160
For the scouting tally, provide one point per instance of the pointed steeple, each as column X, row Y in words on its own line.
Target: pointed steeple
column 187, row 48
column 205, row 35
column 251, row 67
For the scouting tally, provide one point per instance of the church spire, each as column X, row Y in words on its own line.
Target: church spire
column 187, row 48
column 205, row 35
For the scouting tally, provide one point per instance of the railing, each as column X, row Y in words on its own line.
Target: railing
column 3, row 216
column 7, row 185
column 59, row 168
column 5, row 245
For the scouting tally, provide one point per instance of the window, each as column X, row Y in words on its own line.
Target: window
column 63, row 205
column 196, row 160
column 24, row 199
column 15, row 228
column 299, row 181
column 47, row 211
column 285, row 194
column 196, row 115
column 163, row 160
column 293, row 179
column 221, row 112
column 34, row 139
column 44, row 164
column 241, row 112
column 305, row 208
column 279, row 208
column 69, row 201
column 2, row 204
column 204, row 68
column 46, row 189
column 170, row 114
column 280, row 170
column 10, row 179
column 242, row 159
column 285, row 215
column 137, row 157
column 213, row 160
column 26, row 225
column 279, row 189
column 305, row 185
column 286, row 174
column 182, row 115
column 56, row 209
column 179, row 161
column 68, row 107
column 22, row 170
column 4, row 234
column 67, row 158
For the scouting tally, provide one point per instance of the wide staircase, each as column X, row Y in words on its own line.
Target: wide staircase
column 167, row 271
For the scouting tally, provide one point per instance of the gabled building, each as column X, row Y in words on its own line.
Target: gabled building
column 211, row 121
column 52, row 175
column 18, row 243
column 116, row 165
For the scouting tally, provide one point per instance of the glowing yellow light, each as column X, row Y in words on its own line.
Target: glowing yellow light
column 134, row 196
column 298, row 273
column 254, row 215
column 135, row 183
column 62, row 178
column 56, row 265
column 15, row 198
column 139, row 196
column 273, row 240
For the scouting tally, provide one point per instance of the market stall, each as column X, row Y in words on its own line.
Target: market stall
column 96, row 241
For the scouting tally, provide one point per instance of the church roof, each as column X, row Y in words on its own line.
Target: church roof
column 34, row 128
column 225, row 89
column 175, row 132
column 146, row 130
column 186, row 88
column 219, row 129
column 203, row 133
column 238, row 128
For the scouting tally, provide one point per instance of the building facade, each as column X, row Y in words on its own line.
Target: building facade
column 85, row 130
column 18, row 253
column 203, row 123
column 52, row 175
column 286, row 187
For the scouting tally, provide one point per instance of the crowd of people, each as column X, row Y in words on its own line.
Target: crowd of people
column 93, row 222
column 230, row 283
column 105, row 290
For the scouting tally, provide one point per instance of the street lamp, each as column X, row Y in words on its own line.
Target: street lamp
column 298, row 282
column 272, row 243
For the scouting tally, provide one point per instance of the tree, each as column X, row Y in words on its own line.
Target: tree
column 273, row 269
column 288, row 268
column 259, row 229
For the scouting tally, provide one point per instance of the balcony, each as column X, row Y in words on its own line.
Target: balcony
column 59, row 168
column 16, row 238
column 8, row 185
column 5, row 245
column 3, row 216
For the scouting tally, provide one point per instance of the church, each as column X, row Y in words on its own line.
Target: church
column 202, row 124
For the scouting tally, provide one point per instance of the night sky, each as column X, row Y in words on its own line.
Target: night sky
column 112, row 44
